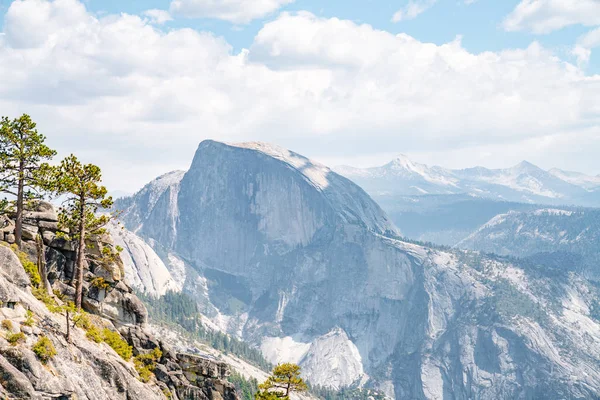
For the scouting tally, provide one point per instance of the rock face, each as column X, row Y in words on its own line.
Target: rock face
column 303, row 259
column 81, row 368
column 144, row 268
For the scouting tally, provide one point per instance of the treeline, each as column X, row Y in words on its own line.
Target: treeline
column 246, row 388
column 181, row 309
column 28, row 173
column 346, row 393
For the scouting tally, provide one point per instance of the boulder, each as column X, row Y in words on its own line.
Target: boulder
column 139, row 339
column 43, row 207
column 48, row 237
column 29, row 232
column 63, row 244
column 195, row 366
column 11, row 268
column 6, row 224
column 123, row 307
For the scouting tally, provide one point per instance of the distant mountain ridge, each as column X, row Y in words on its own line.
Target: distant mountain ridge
column 570, row 234
column 300, row 261
column 523, row 182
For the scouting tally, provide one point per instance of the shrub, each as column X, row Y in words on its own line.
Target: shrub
column 45, row 298
column 100, row 283
column 29, row 318
column 7, row 324
column 44, row 349
column 120, row 346
column 29, row 267
column 61, row 296
column 146, row 363
column 82, row 320
column 15, row 338
column 94, row 334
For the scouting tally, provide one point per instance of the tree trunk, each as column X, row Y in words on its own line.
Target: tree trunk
column 68, row 328
column 42, row 263
column 80, row 255
column 19, row 218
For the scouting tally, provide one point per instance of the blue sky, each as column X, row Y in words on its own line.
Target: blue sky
column 353, row 82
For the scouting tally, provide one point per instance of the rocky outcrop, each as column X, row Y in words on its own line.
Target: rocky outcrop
column 83, row 369
column 302, row 252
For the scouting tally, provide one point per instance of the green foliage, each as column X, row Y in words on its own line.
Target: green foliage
column 346, row 394
column 82, row 320
column 22, row 173
column 146, row 363
column 7, row 324
column 167, row 393
column 15, row 338
column 245, row 388
column 100, row 283
column 85, row 196
column 44, row 349
column 284, row 380
column 509, row 302
column 29, row 321
column 42, row 295
column 182, row 310
column 265, row 395
column 59, row 295
column 120, row 346
column 94, row 334
column 29, row 267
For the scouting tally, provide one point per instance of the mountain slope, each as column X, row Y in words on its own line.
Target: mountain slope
column 543, row 233
column 522, row 183
column 301, row 262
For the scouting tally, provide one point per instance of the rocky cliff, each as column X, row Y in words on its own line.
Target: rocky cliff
column 83, row 367
column 301, row 262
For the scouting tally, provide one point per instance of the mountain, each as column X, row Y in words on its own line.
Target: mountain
column 576, row 178
column 299, row 261
column 569, row 235
column 524, row 182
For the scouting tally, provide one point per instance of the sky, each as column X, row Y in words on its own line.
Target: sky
column 134, row 86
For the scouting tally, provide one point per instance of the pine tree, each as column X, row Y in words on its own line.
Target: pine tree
column 22, row 151
column 85, row 197
column 284, row 380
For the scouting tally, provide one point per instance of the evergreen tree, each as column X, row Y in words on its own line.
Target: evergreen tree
column 284, row 380
column 22, row 151
column 85, row 197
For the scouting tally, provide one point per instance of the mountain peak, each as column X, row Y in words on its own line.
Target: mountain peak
column 526, row 166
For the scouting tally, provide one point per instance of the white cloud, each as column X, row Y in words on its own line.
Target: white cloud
column 583, row 48
column 545, row 16
column 121, row 92
column 158, row 16
column 236, row 11
column 412, row 10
